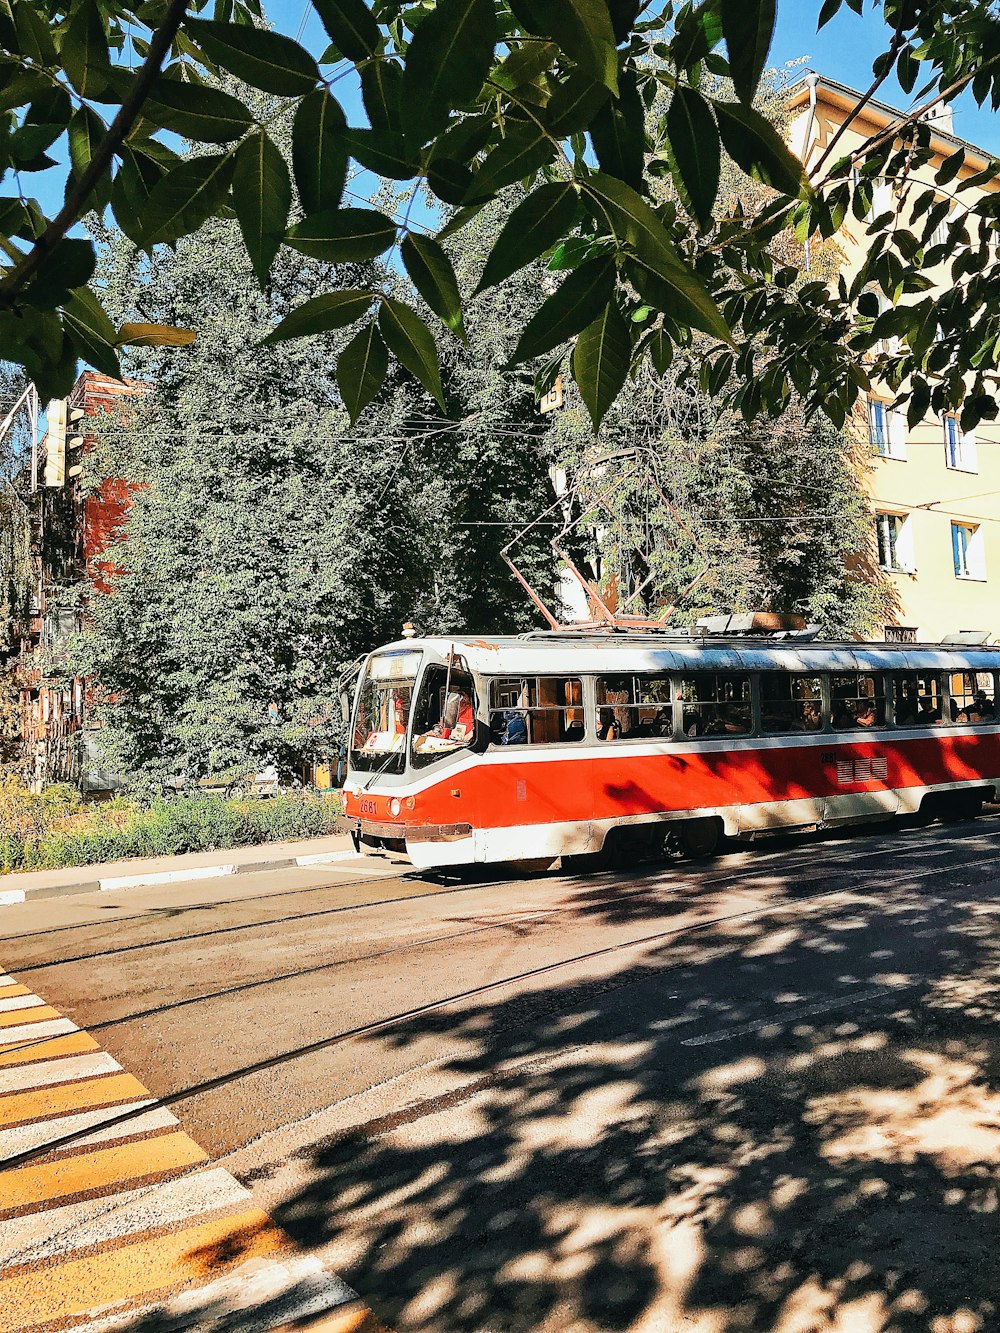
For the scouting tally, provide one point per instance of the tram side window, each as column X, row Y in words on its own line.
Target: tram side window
column 790, row 703
column 857, row 701
column 633, row 706
column 716, row 705
column 535, row 710
column 973, row 696
column 916, row 699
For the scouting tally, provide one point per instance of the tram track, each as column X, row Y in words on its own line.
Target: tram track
column 506, row 923
column 597, row 987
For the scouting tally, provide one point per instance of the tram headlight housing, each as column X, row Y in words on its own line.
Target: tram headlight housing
column 394, row 807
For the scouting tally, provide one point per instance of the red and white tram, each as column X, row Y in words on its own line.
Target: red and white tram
column 557, row 744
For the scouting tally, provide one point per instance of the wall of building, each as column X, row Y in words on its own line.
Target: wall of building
column 912, row 478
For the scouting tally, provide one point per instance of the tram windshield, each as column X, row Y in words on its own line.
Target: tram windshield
column 383, row 711
column 445, row 714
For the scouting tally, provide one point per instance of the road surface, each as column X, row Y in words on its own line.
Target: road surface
column 754, row 1094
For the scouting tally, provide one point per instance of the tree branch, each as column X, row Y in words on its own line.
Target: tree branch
column 121, row 126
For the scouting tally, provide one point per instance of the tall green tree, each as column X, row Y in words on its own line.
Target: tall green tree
column 473, row 96
column 268, row 541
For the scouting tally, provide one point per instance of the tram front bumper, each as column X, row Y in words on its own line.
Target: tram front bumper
column 370, row 831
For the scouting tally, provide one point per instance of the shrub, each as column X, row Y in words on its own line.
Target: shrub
column 57, row 828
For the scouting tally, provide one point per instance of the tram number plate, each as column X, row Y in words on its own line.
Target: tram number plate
column 369, row 807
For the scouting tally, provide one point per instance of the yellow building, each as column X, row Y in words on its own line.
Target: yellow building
column 935, row 491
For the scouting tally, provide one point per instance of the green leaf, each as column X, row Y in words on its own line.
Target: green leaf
column 382, row 151
column 525, row 149
column 580, row 299
column 22, row 86
column 409, row 339
column 535, row 225
column 748, row 27
column 84, row 51
column 601, row 361
column 34, row 36
column 343, row 235
column 630, row 219
column 154, row 335
column 350, row 25
column 583, row 29
column 264, row 59
column 381, row 87
column 320, row 314
column 186, row 197
column 661, row 351
column 92, row 332
column 950, row 167
column 459, row 219
column 524, row 64
column 70, row 264
column 361, row 369
column 618, row 134
column 85, row 134
column 693, row 152
column 756, row 146
column 829, row 9
column 134, row 183
column 262, row 196
column 319, row 155
column 197, row 111
column 574, row 103
column 699, row 31
column 450, row 181
column 463, row 139
column 447, row 61
column 434, row 278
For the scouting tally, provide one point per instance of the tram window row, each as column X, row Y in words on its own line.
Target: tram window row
column 541, row 710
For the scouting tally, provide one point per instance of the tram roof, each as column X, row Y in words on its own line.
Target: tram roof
column 544, row 653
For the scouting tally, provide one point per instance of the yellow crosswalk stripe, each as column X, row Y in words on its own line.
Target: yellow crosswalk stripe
column 130, row 1221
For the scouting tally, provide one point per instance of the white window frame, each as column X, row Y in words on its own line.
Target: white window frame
column 959, row 446
column 893, row 429
column 899, row 543
column 968, row 554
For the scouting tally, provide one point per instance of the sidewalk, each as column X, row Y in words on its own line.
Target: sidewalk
column 36, row 884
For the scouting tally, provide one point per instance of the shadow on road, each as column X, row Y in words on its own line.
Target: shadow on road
column 786, row 1125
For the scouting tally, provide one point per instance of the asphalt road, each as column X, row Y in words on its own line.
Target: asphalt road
column 755, row 1094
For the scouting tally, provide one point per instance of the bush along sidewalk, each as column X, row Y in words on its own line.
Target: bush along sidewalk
column 56, row 828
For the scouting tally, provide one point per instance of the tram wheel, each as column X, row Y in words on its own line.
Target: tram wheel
column 694, row 839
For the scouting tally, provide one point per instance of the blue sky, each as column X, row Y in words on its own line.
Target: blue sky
column 844, row 50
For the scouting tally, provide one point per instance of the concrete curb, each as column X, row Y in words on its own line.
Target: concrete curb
column 109, row 884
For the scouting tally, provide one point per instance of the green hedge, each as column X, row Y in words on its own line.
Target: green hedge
column 168, row 827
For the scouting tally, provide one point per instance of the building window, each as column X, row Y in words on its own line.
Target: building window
column 967, row 551
column 894, row 542
column 886, row 430
column 901, row 634
column 959, row 446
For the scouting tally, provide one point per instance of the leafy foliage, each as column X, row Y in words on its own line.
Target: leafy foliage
column 474, row 96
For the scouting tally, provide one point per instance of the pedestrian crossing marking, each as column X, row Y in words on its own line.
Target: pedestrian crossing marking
column 22, row 1185
column 10, row 1018
column 98, row 1281
column 43, row 1049
column 104, row 1225
column 40, row 1103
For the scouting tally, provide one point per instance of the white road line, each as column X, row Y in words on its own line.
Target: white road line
column 8, row 981
column 21, row 1078
column 76, row 1225
column 782, row 1020
column 11, row 896
column 19, row 1002
column 52, row 1027
column 26, row 1137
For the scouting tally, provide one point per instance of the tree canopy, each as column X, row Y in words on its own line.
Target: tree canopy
column 470, row 97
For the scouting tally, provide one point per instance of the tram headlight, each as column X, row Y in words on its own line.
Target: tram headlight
column 411, row 802
column 394, row 807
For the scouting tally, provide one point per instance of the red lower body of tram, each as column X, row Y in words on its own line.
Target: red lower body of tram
column 527, row 805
